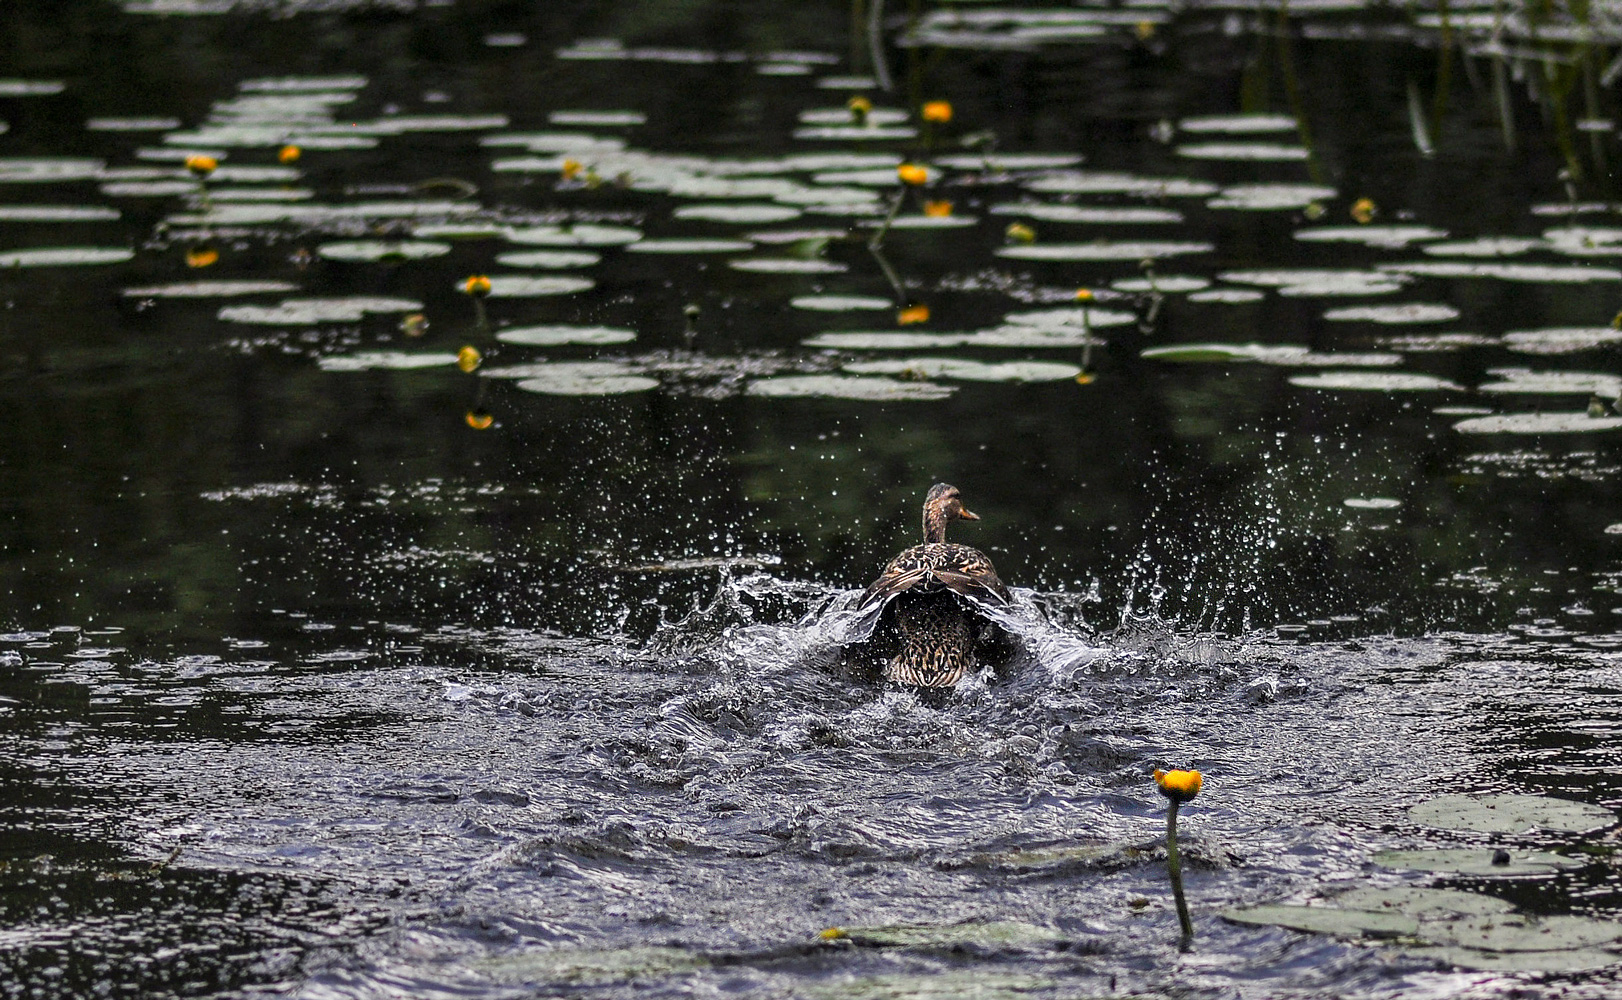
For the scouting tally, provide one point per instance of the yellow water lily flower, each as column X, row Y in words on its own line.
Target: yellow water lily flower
column 571, row 169
column 834, row 934
column 1019, row 232
column 1179, row 786
column 1363, row 210
column 939, row 112
column 859, row 106
column 202, row 257
column 912, row 173
column 289, row 154
column 468, row 358
column 1084, row 295
column 911, row 315
column 201, row 165
column 479, row 420
column 478, row 285
column 938, row 209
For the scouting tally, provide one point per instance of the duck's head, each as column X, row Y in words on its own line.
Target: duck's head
column 941, row 507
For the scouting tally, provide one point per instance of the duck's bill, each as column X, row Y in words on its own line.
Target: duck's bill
column 967, row 514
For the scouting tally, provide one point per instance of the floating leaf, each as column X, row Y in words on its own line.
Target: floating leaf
column 1238, row 124
column 1232, row 296
column 863, row 340
column 29, row 88
column 597, row 118
column 209, row 289
column 306, row 312
column 972, row 371
column 64, row 256
column 744, row 214
column 840, row 303
column 1411, row 312
column 1009, row 161
column 1246, row 151
column 511, row 286
column 1561, row 340
column 572, row 236
column 859, row 133
column 1578, row 960
column 1524, row 932
column 786, row 265
column 549, row 259
column 1088, row 182
column 1276, row 354
column 842, row 116
column 1423, row 904
column 585, row 378
column 396, row 360
column 985, row 935
column 1511, row 814
column 1072, row 316
column 689, row 246
column 57, row 213
column 1093, row 214
column 930, row 222
column 1304, row 282
column 112, row 124
column 1538, row 423
column 1270, row 197
column 1102, row 250
column 378, row 250
column 550, row 336
column 588, row 966
column 1375, row 382
column 1170, row 284
column 847, row 387
column 1326, row 920
column 1390, row 237
column 1477, row 860
column 1485, row 246
column 1571, row 274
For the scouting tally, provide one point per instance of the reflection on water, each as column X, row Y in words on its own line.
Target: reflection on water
column 369, row 641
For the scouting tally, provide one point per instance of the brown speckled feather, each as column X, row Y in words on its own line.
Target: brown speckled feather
column 932, row 566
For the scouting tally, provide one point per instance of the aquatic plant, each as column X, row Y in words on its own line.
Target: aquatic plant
column 1178, row 787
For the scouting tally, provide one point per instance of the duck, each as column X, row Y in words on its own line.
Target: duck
column 930, row 593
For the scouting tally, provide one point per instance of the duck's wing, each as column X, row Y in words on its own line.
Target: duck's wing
column 959, row 568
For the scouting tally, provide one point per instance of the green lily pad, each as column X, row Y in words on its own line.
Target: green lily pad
column 1524, row 380
column 57, row 213
column 883, row 340
column 64, row 256
column 1409, row 312
column 396, row 360
column 1238, row 124
column 1570, row 274
column 552, row 336
column 1524, row 932
column 1170, row 284
column 1009, row 161
column 513, row 286
column 786, row 265
column 574, row 236
column 679, row 246
column 974, row 983
column 209, row 289
column 307, row 312
column 1485, row 246
column 971, row 371
column 840, row 303
column 1326, row 920
column 746, row 213
column 1290, row 355
column 1511, row 814
column 1228, row 296
column 1375, row 382
column 1387, row 237
column 1075, row 316
column 1561, row 340
column 1476, row 860
column 1270, row 197
column 597, row 118
column 1305, row 282
column 847, row 387
column 585, row 378
column 549, row 259
column 42, row 170
column 1102, row 250
column 1372, row 503
column 1423, row 904
column 1577, row 960
column 377, row 250
column 1089, row 214
column 1093, row 182
column 858, row 133
column 1538, row 423
column 1244, row 151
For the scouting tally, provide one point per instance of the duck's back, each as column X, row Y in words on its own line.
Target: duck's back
column 931, row 566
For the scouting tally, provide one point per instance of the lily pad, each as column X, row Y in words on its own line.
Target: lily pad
column 586, row 966
column 574, row 236
column 308, row 312
column 1229, row 296
column 971, row 371
column 1523, row 380
column 1170, row 284
column 597, row 118
column 1423, row 904
column 1102, row 250
column 585, row 378
column 1091, row 214
column 1538, row 423
column 1524, row 932
column 14, row 170
column 743, row 214
column 1270, row 197
column 1245, row 151
column 786, row 265
column 1511, row 814
column 64, row 256
column 1277, row 354
column 1326, row 920
column 1561, row 340
column 381, row 250
column 514, row 286
column 549, row 259
column 971, row 983
column 1009, row 161
column 1077, row 316
column 1570, row 274
column 1409, row 312
column 1375, row 382
column 1477, row 860
column 859, row 133
column 57, row 213
column 847, row 387
column 991, row 934
column 1090, row 182
column 1238, row 124
column 131, row 124
column 1485, row 246
column 1577, row 960
column 1308, row 282
column 841, row 303
column 1389, row 237
column 396, row 360
column 930, row 222
column 551, row 336
column 842, row 116
column 679, row 246
column 881, row 340
column 1371, row 503
column 209, row 289
column 29, row 88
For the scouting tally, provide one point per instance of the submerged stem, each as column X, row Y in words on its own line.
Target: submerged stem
column 1174, row 868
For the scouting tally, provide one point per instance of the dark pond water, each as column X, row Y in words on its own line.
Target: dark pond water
column 331, row 669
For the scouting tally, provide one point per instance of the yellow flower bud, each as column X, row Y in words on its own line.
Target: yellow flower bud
column 478, row 285
column 571, row 169
column 468, row 358
column 479, row 420
column 202, row 256
column 1179, row 786
column 1019, row 232
column 912, row 173
column 289, row 154
column 201, row 165
column 1084, row 295
column 938, row 209
column 911, row 315
column 859, row 106
column 939, row 112
column 834, row 934
column 1363, row 210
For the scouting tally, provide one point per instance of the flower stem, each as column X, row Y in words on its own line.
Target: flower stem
column 1174, row 868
